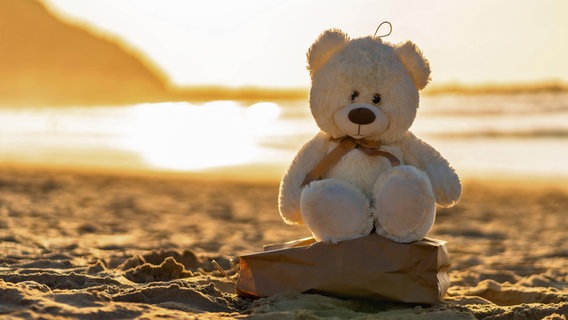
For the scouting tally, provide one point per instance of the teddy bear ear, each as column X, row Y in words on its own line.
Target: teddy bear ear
column 415, row 63
column 328, row 43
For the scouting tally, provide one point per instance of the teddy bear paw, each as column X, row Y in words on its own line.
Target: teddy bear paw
column 335, row 210
column 405, row 204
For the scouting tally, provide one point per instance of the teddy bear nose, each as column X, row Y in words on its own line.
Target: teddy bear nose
column 361, row 116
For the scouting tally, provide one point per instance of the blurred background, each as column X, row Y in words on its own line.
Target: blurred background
column 219, row 88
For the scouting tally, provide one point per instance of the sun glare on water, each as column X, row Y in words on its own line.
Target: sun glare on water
column 183, row 136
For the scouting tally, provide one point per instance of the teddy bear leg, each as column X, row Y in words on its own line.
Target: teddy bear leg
column 405, row 206
column 335, row 210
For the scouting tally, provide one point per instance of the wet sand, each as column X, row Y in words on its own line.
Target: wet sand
column 101, row 245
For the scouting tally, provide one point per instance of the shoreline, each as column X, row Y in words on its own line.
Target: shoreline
column 272, row 173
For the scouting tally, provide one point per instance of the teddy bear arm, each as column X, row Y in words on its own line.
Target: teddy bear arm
column 445, row 182
column 291, row 186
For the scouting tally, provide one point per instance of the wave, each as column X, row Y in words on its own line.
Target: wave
column 492, row 88
column 495, row 134
column 490, row 105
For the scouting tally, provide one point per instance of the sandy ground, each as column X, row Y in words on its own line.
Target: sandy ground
column 92, row 246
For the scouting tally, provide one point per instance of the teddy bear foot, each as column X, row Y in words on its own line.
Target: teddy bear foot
column 405, row 204
column 335, row 210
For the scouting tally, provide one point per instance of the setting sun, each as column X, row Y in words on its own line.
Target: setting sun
column 181, row 136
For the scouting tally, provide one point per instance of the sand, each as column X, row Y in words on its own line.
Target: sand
column 100, row 246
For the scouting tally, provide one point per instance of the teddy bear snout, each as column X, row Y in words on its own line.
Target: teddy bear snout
column 361, row 116
column 360, row 120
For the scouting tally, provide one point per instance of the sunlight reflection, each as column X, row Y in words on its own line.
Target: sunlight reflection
column 263, row 111
column 183, row 136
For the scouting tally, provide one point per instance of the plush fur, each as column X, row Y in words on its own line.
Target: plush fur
column 361, row 192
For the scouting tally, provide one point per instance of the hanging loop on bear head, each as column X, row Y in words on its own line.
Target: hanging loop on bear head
column 379, row 27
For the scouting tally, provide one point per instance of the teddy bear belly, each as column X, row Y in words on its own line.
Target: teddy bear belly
column 360, row 170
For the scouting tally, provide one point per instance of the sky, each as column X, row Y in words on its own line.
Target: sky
column 263, row 43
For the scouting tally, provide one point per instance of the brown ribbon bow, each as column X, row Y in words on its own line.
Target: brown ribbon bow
column 346, row 144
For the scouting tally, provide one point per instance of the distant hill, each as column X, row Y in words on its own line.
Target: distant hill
column 45, row 61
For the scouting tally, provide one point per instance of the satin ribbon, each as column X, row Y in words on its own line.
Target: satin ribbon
column 347, row 144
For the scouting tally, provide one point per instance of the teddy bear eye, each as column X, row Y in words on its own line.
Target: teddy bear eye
column 376, row 98
column 354, row 95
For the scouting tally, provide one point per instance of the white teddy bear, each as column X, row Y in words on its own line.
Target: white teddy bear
column 364, row 170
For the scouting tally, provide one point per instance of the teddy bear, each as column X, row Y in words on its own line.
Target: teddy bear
column 365, row 171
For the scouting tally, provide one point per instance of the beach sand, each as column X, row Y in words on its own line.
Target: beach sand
column 101, row 246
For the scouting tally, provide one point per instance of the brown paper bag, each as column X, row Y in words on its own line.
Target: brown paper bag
column 370, row 267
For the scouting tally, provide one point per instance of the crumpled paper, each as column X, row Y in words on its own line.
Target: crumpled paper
column 371, row 267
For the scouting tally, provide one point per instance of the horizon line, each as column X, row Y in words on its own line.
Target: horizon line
column 253, row 92
column 258, row 94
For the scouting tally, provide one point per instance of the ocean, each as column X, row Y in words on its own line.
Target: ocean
column 522, row 135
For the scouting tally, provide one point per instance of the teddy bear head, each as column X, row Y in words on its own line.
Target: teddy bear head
column 364, row 87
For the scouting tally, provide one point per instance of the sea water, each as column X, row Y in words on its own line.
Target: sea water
column 522, row 134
